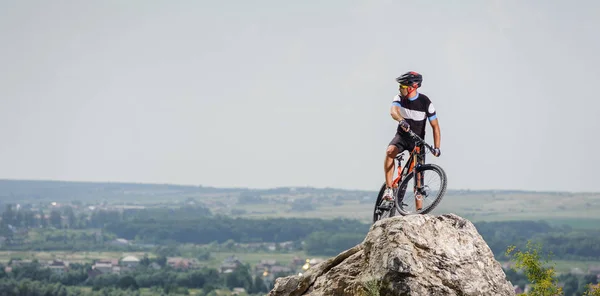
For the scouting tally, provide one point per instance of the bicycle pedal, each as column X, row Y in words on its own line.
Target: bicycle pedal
column 386, row 205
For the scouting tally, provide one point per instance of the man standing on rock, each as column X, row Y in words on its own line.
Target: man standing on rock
column 411, row 109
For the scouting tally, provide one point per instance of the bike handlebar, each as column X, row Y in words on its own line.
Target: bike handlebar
column 419, row 140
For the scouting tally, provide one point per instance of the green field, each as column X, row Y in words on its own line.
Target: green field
column 82, row 257
column 255, row 258
column 576, row 210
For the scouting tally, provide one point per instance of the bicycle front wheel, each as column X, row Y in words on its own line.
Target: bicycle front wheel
column 433, row 187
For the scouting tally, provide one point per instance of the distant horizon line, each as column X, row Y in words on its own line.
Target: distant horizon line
column 279, row 187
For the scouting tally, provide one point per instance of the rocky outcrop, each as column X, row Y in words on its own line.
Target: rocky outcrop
column 411, row 255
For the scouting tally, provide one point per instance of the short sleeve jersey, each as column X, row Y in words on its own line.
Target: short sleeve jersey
column 416, row 111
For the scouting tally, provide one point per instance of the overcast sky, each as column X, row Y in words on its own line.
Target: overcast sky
column 297, row 93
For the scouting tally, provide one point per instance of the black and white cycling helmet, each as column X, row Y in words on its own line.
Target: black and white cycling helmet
column 410, row 78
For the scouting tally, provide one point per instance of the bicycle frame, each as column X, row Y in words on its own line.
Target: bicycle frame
column 415, row 159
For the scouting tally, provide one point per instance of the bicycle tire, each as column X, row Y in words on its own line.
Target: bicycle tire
column 379, row 197
column 438, row 198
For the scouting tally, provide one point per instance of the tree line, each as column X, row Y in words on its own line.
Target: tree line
column 219, row 229
column 197, row 225
column 564, row 242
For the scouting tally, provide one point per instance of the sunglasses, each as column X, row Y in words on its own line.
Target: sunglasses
column 403, row 86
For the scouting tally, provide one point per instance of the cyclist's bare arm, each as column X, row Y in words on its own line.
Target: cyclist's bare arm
column 435, row 125
column 395, row 112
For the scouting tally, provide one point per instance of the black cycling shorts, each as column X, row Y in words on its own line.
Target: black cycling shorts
column 402, row 142
column 406, row 143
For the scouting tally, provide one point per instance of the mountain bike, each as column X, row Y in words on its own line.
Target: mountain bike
column 415, row 166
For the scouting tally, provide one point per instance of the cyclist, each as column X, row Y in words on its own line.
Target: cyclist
column 411, row 109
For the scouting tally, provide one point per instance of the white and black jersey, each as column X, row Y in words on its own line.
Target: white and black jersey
column 416, row 111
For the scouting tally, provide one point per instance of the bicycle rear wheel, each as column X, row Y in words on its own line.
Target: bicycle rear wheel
column 381, row 211
column 432, row 194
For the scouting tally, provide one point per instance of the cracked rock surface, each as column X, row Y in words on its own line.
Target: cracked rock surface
column 412, row 255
